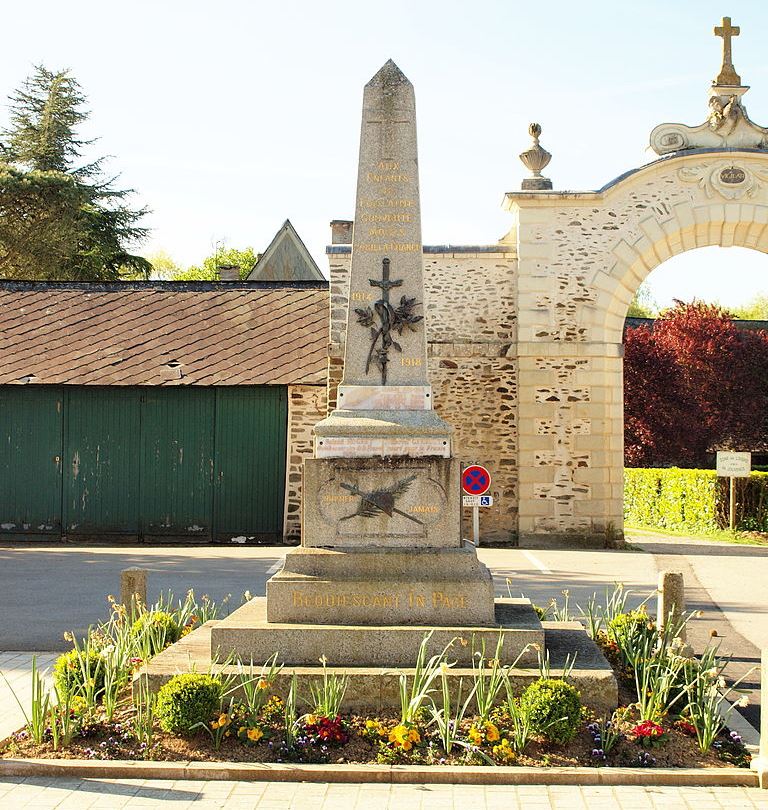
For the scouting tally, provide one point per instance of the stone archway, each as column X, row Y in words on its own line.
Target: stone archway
column 581, row 258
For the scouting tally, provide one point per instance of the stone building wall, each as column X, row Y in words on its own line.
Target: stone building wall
column 581, row 258
column 307, row 405
column 525, row 337
column 471, row 314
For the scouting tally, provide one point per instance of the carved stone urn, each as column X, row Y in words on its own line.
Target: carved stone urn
column 535, row 159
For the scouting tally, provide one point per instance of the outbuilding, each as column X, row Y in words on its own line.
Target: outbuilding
column 158, row 411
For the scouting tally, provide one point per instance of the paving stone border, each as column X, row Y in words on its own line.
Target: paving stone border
column 389, row 774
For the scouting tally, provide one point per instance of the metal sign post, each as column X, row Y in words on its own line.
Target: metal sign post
column 475, row 482
column 733, row 466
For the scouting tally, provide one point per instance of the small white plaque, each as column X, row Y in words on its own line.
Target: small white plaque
column 734, row 465
column 385, row 397
column 477, row 500
column 363, row 447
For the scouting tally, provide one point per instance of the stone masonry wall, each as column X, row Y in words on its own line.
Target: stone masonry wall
column 307, row 405
column 581, row 258
column 471, row 333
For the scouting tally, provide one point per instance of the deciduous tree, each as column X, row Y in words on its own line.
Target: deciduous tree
column 693, row 383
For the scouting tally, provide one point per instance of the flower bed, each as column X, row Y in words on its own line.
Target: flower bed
column 670, row 715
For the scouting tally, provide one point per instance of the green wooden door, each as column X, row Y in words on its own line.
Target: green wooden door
column 177, row 462
column 143, row 463
column 101, row 487
column 249, row 479
column 30, row 459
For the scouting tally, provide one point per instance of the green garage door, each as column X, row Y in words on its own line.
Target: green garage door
column 101, row 470
column 177, row 461
column 30, row 460
column 251, row 428
column 143, row 463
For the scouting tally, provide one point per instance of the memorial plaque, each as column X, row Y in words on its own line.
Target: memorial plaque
column 384, row 503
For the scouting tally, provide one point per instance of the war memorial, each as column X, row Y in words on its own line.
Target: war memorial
column 382, row 561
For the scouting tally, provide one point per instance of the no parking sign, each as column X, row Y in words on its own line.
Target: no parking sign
column 475, row 480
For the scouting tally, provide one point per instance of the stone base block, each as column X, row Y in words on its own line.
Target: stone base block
column 375, row 689
column 433, row 586
column 381, row 503
column 248, row 635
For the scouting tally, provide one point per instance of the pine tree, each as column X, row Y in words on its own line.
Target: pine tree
column 60, row 219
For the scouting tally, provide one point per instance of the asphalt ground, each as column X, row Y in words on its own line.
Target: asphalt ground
column 47, row 590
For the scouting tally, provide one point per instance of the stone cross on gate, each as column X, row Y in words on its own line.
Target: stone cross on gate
column 728, row 74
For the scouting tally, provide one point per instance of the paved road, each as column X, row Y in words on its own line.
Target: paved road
column 45, row 591
column 106, row 794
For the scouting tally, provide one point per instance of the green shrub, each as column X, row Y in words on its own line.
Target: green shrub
column 71, row 668
column 158, row 628
column 187, row 699
column 693, row 500
column 629, row 624
column 554, row 709
column 630, row 631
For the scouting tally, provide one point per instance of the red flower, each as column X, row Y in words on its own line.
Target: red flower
column 648, row 729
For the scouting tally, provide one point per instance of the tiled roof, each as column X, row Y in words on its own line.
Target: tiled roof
column 163, row 333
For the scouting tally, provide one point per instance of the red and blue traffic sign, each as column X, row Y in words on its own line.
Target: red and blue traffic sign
column 475, row 480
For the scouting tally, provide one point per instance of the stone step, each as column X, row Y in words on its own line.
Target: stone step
column 248, row 634
column 375, row 689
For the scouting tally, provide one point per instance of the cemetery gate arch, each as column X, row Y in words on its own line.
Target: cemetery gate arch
column 581, row 258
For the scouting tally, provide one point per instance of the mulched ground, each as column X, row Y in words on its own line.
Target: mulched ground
column 677, row 749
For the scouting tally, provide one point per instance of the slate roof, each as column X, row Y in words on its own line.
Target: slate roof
column 163, row 333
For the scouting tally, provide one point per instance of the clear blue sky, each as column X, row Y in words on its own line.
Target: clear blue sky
column 228, row 117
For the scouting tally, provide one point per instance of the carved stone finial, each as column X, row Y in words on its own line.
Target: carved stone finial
column 535, row 159
column 727, row 126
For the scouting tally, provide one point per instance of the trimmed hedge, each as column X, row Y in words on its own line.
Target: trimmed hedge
column 693, row 500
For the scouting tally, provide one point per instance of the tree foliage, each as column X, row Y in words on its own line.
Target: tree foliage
column 693, row 383
column 643, row 304
column 244, row 258
column 60, row 218
column 754, row 310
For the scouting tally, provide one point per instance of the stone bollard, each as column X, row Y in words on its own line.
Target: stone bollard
column 760, row 762
column 671, row 599
column 133, row 586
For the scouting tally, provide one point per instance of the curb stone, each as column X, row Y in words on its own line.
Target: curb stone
column 389, row 774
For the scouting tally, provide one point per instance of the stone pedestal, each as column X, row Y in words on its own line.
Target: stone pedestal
column 428, row 587
column 250, row 635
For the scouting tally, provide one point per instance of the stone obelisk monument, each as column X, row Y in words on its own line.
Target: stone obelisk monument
column 381, row 555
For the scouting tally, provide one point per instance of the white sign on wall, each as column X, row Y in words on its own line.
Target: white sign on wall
column 734, row 465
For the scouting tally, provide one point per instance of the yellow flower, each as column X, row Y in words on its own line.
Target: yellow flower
column 214, row 725
column 403, row 736
column 255, row 734
column 491, row 732
column 241, row 730
column 504, row 751
column 311, row 720
column 262, row 684
column 475, row 737
column 224, row 720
